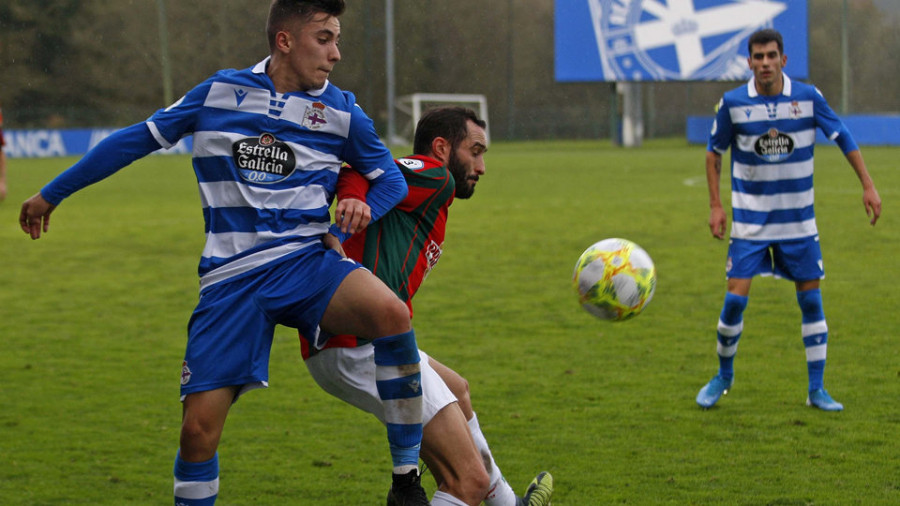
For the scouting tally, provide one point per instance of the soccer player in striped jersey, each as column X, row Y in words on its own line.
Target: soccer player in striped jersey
column 770, row 125
column 269, row 142
column 401, row 249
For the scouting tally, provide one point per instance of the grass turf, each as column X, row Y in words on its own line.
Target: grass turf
column 93, row 317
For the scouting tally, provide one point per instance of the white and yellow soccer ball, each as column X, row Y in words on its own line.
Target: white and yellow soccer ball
column 615, row 279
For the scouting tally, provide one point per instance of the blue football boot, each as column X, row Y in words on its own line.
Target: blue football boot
column 711, row 393
column 820, row 399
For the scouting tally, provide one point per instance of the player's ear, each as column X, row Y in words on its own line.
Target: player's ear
column 283, row 41
column 440, row 148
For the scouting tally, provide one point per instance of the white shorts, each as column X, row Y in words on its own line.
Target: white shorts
column 349, row 375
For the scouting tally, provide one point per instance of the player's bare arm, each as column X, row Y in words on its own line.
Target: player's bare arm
column 34, row 217
column 871, row 199
column 717, row 217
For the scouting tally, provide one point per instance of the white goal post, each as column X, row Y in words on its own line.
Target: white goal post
column 413, row 105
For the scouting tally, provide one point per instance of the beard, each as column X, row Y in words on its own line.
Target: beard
column 464, row 190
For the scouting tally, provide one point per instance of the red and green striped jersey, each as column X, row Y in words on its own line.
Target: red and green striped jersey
column 405, row 244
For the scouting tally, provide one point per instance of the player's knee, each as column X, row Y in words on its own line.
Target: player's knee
column 198, row 441
column 461, row 391
column 392, row 317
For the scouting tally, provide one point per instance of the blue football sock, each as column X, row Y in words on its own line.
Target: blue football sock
column 728, row 332
column 815, row 335
column 399, row 382
column 196, row 483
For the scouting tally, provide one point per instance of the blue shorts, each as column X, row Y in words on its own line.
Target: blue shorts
column 231, row 330
column 795, row 260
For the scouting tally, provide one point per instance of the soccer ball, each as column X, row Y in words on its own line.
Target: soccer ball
column 615, row 279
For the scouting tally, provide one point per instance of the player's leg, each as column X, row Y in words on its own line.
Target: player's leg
column 802, row 261
column 731, row 324
column 447, row 448
column 728, row 333
column 227, row 353
column 815, row 340
column 197, row 463
column 364, row 306
column 451, row 456
column 746, row 259
column 499, row 491
column 814, row 330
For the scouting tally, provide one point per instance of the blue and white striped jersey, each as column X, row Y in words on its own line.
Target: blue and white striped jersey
column 266, row 163
column 772, row 139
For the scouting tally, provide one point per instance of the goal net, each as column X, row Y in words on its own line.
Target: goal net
column 412, row 106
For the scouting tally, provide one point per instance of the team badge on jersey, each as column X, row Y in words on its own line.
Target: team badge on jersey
column 795, row 111
column 433, row 252
column 263, row 159
column 774, row 146
column 314, row 117
column 185, row 373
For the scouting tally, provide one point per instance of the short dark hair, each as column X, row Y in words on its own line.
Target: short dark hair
column 449, row 122
column 763, row 37
column 283, row 12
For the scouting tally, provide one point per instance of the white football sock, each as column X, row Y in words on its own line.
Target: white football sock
column 445, row 499
column 500, row 493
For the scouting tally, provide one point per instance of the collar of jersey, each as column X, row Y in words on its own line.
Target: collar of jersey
column 751, row 86
column 260, row 68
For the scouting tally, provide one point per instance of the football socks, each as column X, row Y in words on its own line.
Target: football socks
column 500, row 493
column 196, row 483
column 399, row 383
column 815, row 335
column 728, row 332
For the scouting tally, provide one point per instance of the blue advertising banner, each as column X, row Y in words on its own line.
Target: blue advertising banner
column 66, row 142
column 672, row 40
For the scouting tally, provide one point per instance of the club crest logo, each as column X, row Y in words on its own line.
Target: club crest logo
column 185, row 373
column 263, row 159
column 314, row 117
column 433, row 252
column 645, row 40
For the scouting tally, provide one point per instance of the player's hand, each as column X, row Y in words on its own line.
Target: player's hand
column 332, row 242
column 35, row 216
column 717, row 222
column 352, row 215
column 872, row 202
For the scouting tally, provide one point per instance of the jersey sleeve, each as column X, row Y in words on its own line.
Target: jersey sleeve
column 720, row 134
column 106, row 158
column 351, row 185
column 162, row 130
column 831, row 125
column 368, row 156
column 178, row 120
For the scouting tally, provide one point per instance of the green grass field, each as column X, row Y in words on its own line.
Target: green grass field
column 93, row 318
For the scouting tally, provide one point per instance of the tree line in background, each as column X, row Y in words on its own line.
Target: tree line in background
column 81, row 63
